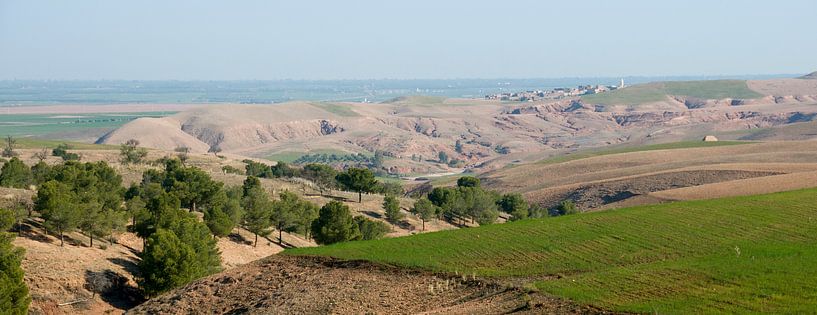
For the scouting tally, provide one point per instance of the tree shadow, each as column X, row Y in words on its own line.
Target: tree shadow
column 113, row 288
column 337, row 198
column 403, row 224
column 372, row 214
column 129, row 265
column 32, row 230
column 283, row 244
column 237, row 238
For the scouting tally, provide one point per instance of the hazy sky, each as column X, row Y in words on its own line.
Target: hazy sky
column 83, row 39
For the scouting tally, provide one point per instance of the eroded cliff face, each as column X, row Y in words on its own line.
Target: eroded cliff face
column 485, row 131
column 254, row 134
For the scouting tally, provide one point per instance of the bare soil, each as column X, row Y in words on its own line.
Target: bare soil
column 597, row 195
column 636, row 178
column 283, row 284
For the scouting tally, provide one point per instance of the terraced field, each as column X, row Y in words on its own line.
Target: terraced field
column 740, row 254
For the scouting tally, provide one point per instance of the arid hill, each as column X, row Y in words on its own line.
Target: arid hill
column 412, row 131
column 810, row 76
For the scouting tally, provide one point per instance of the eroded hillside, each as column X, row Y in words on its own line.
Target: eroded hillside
column 412, row 132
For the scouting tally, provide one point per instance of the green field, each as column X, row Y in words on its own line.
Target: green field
column 734, row 255
column 337, row 109
column 35, row 143
column 56, row 125
column 630, row 149
column 656, row 92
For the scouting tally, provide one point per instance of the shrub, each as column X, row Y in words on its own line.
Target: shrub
column 370, row 229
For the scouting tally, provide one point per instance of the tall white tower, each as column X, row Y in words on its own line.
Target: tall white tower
column 621, row 86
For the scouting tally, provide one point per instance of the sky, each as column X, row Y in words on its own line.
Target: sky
column 417, row 39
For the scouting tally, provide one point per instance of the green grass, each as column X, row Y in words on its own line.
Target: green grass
column 36, row 143
column 56, row 125
column 418, row 100
column 630, row 149
column 658, row 91
column 337, row 109
column 736, row 255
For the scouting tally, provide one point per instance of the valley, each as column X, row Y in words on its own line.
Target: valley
column 635, row 167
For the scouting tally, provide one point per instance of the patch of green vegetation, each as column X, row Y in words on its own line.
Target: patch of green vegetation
column 632, row 95
column 658, row 91
column 36, row 143
column 419, row 100
column 750, row 254
column 337, row 109
column 389, row 179
column 715, row 89
column 56, row 124
column 291, row 156
column 652, row 147
column 447, row 180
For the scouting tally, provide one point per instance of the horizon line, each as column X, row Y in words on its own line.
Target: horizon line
column 413, row 79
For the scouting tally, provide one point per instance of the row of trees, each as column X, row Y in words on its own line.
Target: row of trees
column 329, row 224
column 84, row 196
column 468, row 200
column 326, row 178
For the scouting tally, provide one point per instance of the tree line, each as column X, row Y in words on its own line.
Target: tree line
column 325, row 177
column 469, row 201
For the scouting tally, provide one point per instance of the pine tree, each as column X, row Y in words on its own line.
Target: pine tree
column 257, row 212
column 14, row 298
column 223, row 213
column 359, row 180
column 283, row 213
column 515, row 205
column 91, row 220
column 174, row 257
column 335, row 224
column 392, row 208
column 59, row 207
column 166, row 263
column 15, row 174
column 305, row 214
column 424, row 209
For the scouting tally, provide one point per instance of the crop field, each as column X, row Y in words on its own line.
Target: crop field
column 630, row 149
column 656, row 92
column 735, row 255
column 53, row 125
